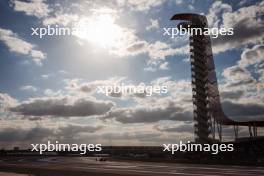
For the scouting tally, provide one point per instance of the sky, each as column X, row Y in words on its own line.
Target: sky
column 48, row 85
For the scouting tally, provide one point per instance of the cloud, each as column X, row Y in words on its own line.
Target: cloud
column 160, row 50
column 73, row 131
column 180, row 90
column 63, row 72
column 215, row 12
column 253, row 56
column 238, row 76
column 182, row 127
column 63, row 19
column 29, row 88
column 123, row 5
column 118, row 40
column 18, row 45
column 246, row 22
column 6, row 101
column 75, row 86
column 62, row 107
column 169, row 110
column 164, row 66
column 45, row 76
column 238, row 83
column 133, row 136
column 191, row 7
column 178, row 2
column 157, row 52
column 154, row 24
column 16, row 134
column 130, row 89
column 137, row 47
column 19, row 134
column 39, row 133
column 231, row 94
column 143, row 5
column 242, row 87
column 36, row 8
column 51, row 93
column 127, row 43
column 244, row 111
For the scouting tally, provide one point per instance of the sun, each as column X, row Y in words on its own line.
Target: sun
column 100, row 29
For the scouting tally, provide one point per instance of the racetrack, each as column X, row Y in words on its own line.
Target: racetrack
column 88, row 166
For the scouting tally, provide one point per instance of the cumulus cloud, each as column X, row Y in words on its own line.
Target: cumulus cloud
column 241, row 90
column 20, row 46
column 62, row 107
column 20, row 134
column 71, row 131
column 45, row 76
column 154, row 24
column 230, row 94
column 244, row 111
column 160, row 50
column 36, row 8
column 238, row 84
column 246, row 22
column 29, row 88
column 216, row 10
column 252, row 56
column 63, row 19
column 180, row 90
column 119, row 40
column 122, row 5
column 40, row 133
column 127, row 43
column 179, row 127
column 6, row 101
column 128, row 88
column 75, row 86
column 238, row 76
column 164, row 66
column 133, row 136
column 137, row 47
column 162, row 110
column 75, row 129
column 157, row 52
column 143, row 5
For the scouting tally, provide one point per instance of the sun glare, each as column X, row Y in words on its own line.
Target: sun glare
column 100, row 30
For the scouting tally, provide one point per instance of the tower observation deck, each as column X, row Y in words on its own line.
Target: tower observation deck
column 208, row 114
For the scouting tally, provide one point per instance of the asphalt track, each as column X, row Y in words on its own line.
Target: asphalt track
column 88, row 166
